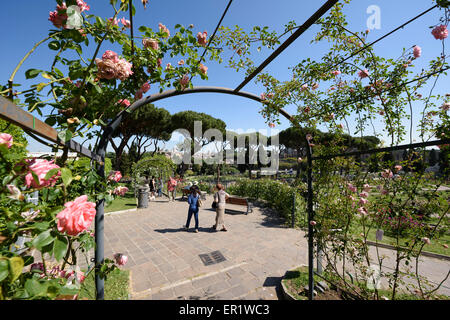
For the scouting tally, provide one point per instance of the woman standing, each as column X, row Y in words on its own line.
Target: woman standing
column 219, row 198
column 171, row 188
column 152, row 188
column 193, row 208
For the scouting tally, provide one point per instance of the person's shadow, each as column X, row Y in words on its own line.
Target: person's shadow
column 191, row 229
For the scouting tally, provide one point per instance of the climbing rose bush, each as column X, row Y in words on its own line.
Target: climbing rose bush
column 40, row 168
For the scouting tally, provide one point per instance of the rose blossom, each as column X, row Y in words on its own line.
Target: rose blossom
column 59, row 16
column 203, row 69
column 145, row 87
column 77, row 216
column 114, row 22
column 126, row 23
column 37, row 266
column 366, row 187
column 120, row 259
column 387, row 174
column 184, row 81
column 351, row 187
column 362, row 211
column 272, row 125
column 304, row 87
column 150, row 43
column 363, row 194
column 446, row 106
column 417, row 51
column 124, row 102
column 106, row 69
column 363, row 73
column 181, row 62
column 6, row 139
column 163, row 28
column 363, row 201
column 336, row 72
column 426, row 240
column 40, row 167
column 440, row 32
column 14, row 192
column 120, row 190
column 263, row 96
column 123, row 69
column 201, row 38
column 398, row 167
column 313, row 223
column 115, row 176
column 110, row 55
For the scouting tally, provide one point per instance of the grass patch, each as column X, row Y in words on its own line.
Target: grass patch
column 116, row 286
column 128, row 201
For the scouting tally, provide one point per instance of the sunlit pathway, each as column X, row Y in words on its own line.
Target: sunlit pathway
column 165, row 260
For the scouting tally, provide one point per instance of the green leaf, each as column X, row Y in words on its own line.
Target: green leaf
column 60, row 246
column 41, row 226
column 35, row 288
column 66, row 176
column 32, row 73
column 65, row 135
column 4, row 269
column 54, row 45
column 51, row 173
column 15, row 267
column 43, row 239
column 40, row 86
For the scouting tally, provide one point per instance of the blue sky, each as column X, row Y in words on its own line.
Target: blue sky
column 27, row 23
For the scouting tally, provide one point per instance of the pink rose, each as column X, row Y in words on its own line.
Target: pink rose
column 139, row 94
column 351, row 188
column 387, row 174
column 366, row 187
column 440, row 32
column 14, row 192
column 336, row 72
column 126, row 23
column 203, row 69
column 163, row 28
column 364, row 194
column 120, row 191
column 150, row 43
column 184, row 81
column 445, row 106
column 6, row 139
column 304, row 87
column 362, row 211
column 83, row 5
column 313, row 223
column 123, row 69
column 124, row 102
column 398, row 167
column 145, row 87
column 106, row 69
column 426, row 240
column 120, row 259
column 40, row 167
column 59, row 16
column 39, row 266
column 201, row 38
column 76, row 217
column 110, row 55
column 115, row 176
column 263, row 96
column 115, row 22
column 363, row 73
column 168, row 66
column 181, row 62
column 363, row 201
column 159, row 62
column 417, row 51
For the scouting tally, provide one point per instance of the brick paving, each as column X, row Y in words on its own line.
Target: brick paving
column 164, row 258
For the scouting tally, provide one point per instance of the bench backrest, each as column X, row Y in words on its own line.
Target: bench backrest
column 240, row 201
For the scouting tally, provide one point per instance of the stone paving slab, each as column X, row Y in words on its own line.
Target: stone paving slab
column 164, row 258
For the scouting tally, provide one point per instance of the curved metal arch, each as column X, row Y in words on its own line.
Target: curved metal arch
column 101, row 151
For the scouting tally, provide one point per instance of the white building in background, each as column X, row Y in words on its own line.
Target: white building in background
column 70, row 155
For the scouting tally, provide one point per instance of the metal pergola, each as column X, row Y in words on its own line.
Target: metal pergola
column 35, row 127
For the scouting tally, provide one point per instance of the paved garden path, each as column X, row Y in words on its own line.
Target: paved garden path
column 165, row 262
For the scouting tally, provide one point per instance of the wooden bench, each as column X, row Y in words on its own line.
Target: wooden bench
column 240, row 202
